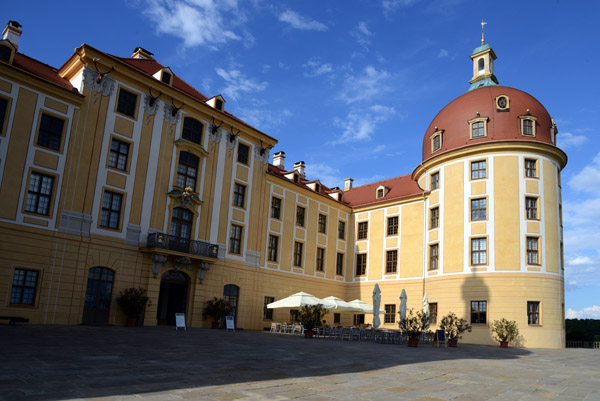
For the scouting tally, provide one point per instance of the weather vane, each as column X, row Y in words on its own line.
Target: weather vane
column 482, row 24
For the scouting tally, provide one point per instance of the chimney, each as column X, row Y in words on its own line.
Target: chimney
column 348, row 184
column 142, row 53
column 299, row 168
column 278, row 160
column 12, row 32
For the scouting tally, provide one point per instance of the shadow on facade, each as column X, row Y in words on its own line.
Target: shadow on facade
column 475, row 294
column 65, row 362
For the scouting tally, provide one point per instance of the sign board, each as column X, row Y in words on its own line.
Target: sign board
column 440, row 335
column 180, row 321
column 229, row 323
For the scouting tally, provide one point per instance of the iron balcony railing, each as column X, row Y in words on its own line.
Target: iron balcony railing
column 179, row 244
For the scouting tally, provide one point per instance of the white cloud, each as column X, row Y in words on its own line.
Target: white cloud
column 362, row 35
column 297, row 21
column 365, row 86
column 263, row 117
column 443, row 53
column 238, row 84
column 328, row 175
column 197, row 23
column 591, row 312
column 359, row 125
column 317, row 68
column 390, row 6
column 588, row 179
column 567, row 140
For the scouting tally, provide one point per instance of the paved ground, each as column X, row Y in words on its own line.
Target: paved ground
column 159, row 363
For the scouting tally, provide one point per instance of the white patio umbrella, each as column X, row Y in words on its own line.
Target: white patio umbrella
column 299, row 300
column 364, row 307
column 403, row 302
column 343, row 306
column 426, row 311
column 376, row 303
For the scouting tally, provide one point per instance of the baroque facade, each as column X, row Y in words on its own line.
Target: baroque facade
column 116, row 173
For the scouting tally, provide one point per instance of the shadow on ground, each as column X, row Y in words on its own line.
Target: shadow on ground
column 65, row 362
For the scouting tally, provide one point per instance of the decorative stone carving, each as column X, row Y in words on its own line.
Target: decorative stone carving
column 181, row 262
column 203, row 267
column 261, row 154
column 150, row 110
column 214, row 133
column 171, row 115
column 105, row 87
column 158, row 261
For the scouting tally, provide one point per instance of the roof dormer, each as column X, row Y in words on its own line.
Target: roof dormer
column 217, row 102
column 164, row 75
column 315, row 185
column 381, row 192
column 10, row 41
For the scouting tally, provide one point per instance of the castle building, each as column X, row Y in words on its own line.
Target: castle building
column 115, row 173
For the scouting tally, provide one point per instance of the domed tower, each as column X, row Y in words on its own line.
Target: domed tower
column 493, row 231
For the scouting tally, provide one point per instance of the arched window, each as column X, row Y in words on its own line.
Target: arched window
column 192, row 130
column 481, row 65
column 181, row 223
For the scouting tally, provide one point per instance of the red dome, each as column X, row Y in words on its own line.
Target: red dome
column 502, row 125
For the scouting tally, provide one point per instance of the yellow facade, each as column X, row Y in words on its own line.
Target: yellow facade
column 213, row 241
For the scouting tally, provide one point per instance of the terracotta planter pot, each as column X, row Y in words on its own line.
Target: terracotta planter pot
column 308, row 333
column 131, row 321
column 413, row 342
column 452, row 342
column 504, row 344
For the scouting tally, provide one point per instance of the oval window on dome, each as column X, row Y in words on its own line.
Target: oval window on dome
column 502, row 103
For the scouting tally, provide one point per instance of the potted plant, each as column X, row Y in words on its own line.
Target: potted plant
column 454, row 327
column 216, row 309
column 505, row 331
column 413, row 325
column 310, row 316
column 132, row 302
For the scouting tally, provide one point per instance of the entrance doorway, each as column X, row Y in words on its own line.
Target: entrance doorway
column 172, row 298
column 97, row 296
column 231, row 294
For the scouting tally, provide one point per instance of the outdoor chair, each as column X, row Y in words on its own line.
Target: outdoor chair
column 345, row 332
column 366, row 334
column 355, row 333
column 274, row 327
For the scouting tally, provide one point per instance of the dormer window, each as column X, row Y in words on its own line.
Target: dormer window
column 219, row 104
column 216, row 102
column 296, row 178
column 478, row 127
column 528, row 123
column 166, row 77
column 436, row 140
column 5, row 53
column 317, row 187
column 381, row 192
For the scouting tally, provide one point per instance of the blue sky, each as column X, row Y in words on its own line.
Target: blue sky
column 351, row 86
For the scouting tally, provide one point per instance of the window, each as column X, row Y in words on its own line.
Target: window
column 126, row 103
column 434, row 217
column 341, row 229
column 337, row 318
column 363, row 228
column 433, row 313
column 320, row 259
column 528, row 125
column 390, row 313
column 50, row 134
column 181, row 223
column 5, row 53
column 380, row 193
column 322, row 226
column 187, row 170
column 192, row 130
column 533, row 312
column 436, row 141
column 3, row 108
column 532, row 251
column 359, row 319
column 300, row 213
column 111, row 210
column 434, row 252
column 268, row 313
column 275, row 208
column 24, row 287
column 478, row 129
column 392, row 225
column 294, row 315
column 298, row 253
column 531, row 208
column 39, row 193
column 478, row 312
column 243, row 153
column 478, row 170
column 435, row 181
column 530, row 168
column 239, row 194
column 219, row 104
column 391, row 261
column 166, row 78
column 478, row 251
column 339, row 264
column 119, row 152
column 502, row 103
column 361, row 264
column 273, row 245
column 478, row 209
column 235, row 239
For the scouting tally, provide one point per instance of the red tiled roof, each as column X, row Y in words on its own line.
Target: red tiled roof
column 324, row 190
column 40, row 70
column 398, row 188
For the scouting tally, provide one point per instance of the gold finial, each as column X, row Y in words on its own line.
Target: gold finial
column 482, row 24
